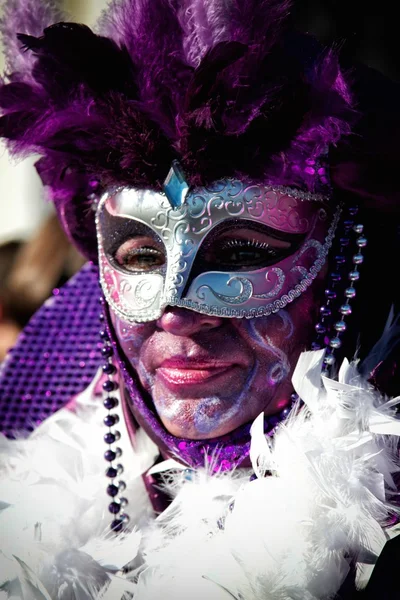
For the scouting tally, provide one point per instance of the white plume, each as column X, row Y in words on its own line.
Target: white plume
column 323, row 489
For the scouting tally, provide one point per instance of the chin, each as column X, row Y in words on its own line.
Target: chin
column 201, row 418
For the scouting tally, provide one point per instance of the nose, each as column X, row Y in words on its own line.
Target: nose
column 184, row 322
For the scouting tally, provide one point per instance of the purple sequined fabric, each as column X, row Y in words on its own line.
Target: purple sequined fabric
column 56, row 356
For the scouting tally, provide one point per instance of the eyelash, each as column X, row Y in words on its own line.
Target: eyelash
column 135, row 253
column 253, row 244
column 142, row 250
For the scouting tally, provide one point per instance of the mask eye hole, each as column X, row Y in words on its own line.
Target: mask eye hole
column 245, row 252
column 140, row 254
column 130, row 245
column 246, row 247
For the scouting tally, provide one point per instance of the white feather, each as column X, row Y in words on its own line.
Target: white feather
column 288, row 535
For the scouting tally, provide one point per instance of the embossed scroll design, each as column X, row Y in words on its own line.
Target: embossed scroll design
column 139, row 297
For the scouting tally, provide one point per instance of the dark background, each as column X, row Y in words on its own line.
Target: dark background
column 367, row 31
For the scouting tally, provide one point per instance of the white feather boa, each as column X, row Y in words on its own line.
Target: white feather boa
column 290, row 535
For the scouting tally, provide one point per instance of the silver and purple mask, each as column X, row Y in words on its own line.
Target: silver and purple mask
column 233, row 249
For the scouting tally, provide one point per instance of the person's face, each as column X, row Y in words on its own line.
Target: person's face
column 206, row 374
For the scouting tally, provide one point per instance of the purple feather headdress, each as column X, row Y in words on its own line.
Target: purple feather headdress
column 220, row 85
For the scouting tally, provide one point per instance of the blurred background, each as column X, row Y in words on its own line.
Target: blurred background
column 35, row 256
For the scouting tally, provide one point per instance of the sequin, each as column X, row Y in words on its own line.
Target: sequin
column 50, row 362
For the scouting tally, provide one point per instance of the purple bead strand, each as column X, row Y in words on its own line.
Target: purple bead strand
column 116, row 486
column 328, row 331
column 350, row 292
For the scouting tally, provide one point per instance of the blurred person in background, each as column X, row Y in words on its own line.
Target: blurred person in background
column 35, row 254
column 29, row 273
column 235, row 192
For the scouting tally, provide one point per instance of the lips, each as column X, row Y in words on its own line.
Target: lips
column 177, row 372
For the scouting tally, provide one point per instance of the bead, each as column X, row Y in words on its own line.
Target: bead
column 340, row 259
column 330, row 294
column 188, row 474
column 336, row 277
column 329, row 360
column 358, row 259
column 350, row 292
column 353, row 210
column 120, row 469
column 345, row 309
column 117, row 525
column 111, row 420
column 117, row 435
column 124, row 518
column 118, row 452
column 335, row 343
column 109, row 386
column 285, row 413
column 104, row 335
column 109, row 438
column 109, row 369
column 325, row 311
column 340, row 326
column 107, row 351
column 344, row 241
column 111, row 472
column 101, row 317
column 358, row 228
column 315, row 346
column 354, row 275
column 362, row 242
column 110, row 402
column 114, row 508
column 110, row 455
column 121, row 486
column 123, row 502
column 112, row 490
column 294, row 397
column 348, row 224
column 320, row 328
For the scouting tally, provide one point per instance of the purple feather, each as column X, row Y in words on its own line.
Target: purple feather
column 217, row 85
column 251, row 22
column 30, row 17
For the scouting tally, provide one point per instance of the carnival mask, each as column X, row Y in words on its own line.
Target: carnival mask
column 233, row 249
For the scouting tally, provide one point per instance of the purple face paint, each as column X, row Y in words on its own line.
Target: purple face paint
column 207, row 375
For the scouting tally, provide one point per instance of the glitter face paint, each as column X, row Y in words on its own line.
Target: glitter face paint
column 208, row 375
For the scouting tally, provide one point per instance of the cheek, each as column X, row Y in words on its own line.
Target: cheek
column 278, row 339
column 270, row 339
column 132, row 336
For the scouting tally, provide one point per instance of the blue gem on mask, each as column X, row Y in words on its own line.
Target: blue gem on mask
column 175, row 186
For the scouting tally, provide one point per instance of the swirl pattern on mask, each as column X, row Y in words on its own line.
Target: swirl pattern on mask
column 183, row 231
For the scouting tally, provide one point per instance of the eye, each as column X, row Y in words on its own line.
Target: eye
column 140, row 254
column 245, row 253
column 246, row 249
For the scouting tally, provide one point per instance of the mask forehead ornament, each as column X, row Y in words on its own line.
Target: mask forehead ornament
column 175, row 186
column 232, row 249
